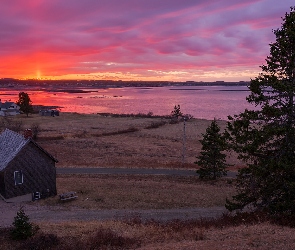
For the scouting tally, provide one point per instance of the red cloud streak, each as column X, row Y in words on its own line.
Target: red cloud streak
column 137, row 39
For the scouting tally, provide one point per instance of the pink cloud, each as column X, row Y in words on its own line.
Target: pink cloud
column 111, row 36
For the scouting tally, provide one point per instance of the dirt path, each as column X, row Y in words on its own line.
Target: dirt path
column 133, row 171
column 61, row 214
column 37, row 212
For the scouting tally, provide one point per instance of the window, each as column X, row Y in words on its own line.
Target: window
column 36, row 196
column 18, row 177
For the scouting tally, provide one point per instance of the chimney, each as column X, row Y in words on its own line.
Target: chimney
column 28, row 134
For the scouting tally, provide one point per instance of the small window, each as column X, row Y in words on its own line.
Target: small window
column 18, row 177
column 36, row 196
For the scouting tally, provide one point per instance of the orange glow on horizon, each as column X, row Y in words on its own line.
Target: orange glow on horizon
column 51, row 66
column 38, row 74
column 168, row 76
column 46, row 66
column 120, row 40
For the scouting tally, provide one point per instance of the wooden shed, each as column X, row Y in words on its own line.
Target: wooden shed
column 25, row 167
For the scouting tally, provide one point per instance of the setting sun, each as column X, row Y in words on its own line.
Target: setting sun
column 38, row 74
column 146, row 41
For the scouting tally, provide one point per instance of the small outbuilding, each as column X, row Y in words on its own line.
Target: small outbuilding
column 25, row 167
column 49, row 112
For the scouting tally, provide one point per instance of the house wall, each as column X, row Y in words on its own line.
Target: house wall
column 2, row 186
column 39, row 173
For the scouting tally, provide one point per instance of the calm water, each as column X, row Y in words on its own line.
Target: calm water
column 202, row 102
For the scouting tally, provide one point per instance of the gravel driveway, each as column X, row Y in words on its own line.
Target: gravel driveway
column 59, row 214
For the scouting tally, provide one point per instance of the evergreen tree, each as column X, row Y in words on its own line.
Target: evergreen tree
column 25, row 103
column 265, row 136
column 176, row 113
column 23, row 229
column 212, row 161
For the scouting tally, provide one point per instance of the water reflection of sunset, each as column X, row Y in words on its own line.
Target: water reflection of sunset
column 205, row 102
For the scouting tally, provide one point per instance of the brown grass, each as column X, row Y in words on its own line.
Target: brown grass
column 141, row 192
column 100, row 141
column 134, row 234
column 78, row 140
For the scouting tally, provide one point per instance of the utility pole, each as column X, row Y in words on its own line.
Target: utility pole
column 183, row 142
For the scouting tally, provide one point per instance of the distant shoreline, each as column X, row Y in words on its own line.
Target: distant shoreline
column 82, row 89
column 75, row 85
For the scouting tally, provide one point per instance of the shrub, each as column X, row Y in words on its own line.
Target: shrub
column 176, row 112
column 40, row 242
column 106, row 238
column 123, row 131
column 156, row 125
column 35, row 130
column 23, row 229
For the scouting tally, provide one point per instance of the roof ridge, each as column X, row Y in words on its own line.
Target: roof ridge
column 11, row 144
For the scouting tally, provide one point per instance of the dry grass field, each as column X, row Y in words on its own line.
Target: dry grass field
column 175, row 235
column 152, row 236
column 78, row 140
column 141, row 192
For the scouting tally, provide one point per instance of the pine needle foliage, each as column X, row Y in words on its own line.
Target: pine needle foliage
column 22, row 228
column 212, row 161
column 25, row 103
column 265, row 136
column 176, row 112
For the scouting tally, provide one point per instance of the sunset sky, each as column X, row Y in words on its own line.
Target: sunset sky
column 174, row 40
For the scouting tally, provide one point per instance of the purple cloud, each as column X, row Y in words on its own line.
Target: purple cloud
column 137, row 37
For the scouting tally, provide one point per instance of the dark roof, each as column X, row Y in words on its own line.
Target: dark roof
column 6, row 105
column 11, row 143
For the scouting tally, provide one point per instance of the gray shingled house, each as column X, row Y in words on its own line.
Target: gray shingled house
column 25, row 167
column 9, row 108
